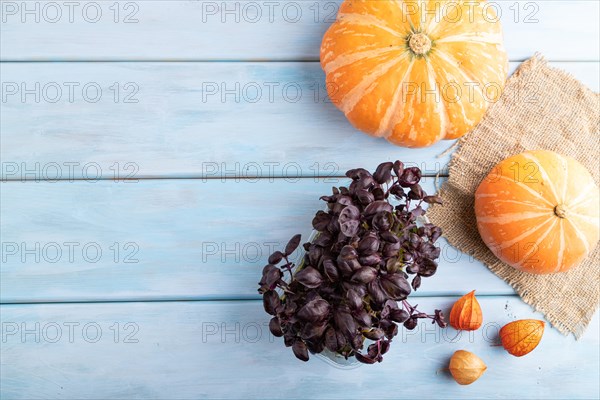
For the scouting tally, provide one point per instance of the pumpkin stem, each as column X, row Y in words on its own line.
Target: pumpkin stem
column 419, row 43
column 560, row 211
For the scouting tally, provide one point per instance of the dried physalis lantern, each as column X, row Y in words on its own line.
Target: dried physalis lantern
column 466, row 367
column 522, row 336
column 466, row 313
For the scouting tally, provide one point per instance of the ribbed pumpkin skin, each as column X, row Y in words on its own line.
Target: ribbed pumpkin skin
column 413, row 100
column 518, row 206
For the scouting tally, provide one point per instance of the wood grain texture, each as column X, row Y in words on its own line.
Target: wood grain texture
column 207, row 239
column 194, row 239
column 276, row 122
column 247, row 30
column 188, row 350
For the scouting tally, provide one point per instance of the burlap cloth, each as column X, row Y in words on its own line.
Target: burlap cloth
column 541, row 108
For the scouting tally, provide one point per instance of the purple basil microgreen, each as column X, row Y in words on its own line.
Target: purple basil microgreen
column 276, row 257
column 292, row 244
column 383, row 173
column 433, row 200
column 353, row 280
column 300, row 350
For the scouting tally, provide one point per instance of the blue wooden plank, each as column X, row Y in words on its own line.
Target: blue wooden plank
column 189, row 120
column 191, row 350
column 253, row 30
column 169, row 239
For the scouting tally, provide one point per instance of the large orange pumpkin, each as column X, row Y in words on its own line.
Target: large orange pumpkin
column 539, row 212
column 414, row 72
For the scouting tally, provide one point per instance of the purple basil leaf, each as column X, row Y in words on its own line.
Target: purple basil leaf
column 354, row 299
column 439, row 318
column 389, row 237
column 368, row 245
column 314, row 311
column 271, row 302
column 373, row 351
column 363, row 318
column 330, row 270
column 398, row 168
column 391, row 330
column 417, row 211
column 350, row 213
column 312, row 330
column 364, row 183
column 370, row 260
column 376, row 292
column 391, row 249
column 374, row 334
column 364, row 275
column 392, row 265
column 275, row 257
column 309, row 277
column 416, row 282
column 300, row 350
column 345, row 323
column 331, row 339
column 382, row 221
column 384, row 346
column 410, row 323
column 344, row 200
column 399, row 316
column 433, row 199
column 348, row 253
column 292, row 244
column 275, row 327
column 321, row 220
column 396, row 286
column 350, row 228
column 427, row 267
column 365, row 197
column 378, row 206
column 272, row 276
column 378, row 194
column 323, row 239
column 436, row 232
column 364, row 359
column 383, row 173
column 357, row 173
column 314, row 254
column 267, row 268
column 416, row 192
column 410, row 176
column 289, row 339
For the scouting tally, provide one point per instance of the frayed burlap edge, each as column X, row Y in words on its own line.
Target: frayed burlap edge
column 564, row 117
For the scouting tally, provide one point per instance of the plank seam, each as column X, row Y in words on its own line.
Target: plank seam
column 183, row 300
column 211, row 61
column 214, row 178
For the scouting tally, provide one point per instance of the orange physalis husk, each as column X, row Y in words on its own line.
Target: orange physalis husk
column 466, row 313
column 522, row 336
column 466, row 367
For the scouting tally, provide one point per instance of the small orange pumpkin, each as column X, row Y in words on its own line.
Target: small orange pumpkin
column 414, row 72
column 539, row 212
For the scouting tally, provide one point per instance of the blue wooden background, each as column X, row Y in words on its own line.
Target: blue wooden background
column 154, row 152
